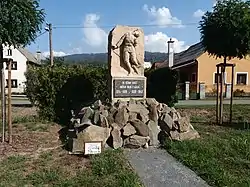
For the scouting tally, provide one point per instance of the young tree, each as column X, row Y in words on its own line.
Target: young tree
column 20, row 21
column 225, row 32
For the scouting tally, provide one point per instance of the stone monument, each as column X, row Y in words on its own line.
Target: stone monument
column 126, row 63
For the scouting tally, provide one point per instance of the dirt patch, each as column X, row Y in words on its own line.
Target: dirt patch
column 30, row 142
column 197, row 112
column 41, row 151
column 23, row 111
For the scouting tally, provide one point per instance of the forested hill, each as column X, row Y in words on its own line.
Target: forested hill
column 102, row 57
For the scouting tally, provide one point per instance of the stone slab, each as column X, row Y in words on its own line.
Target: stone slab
column 124, row 88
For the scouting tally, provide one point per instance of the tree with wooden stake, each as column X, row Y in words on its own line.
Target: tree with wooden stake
column 20, row 22
column 9, row 101
column 225, row 33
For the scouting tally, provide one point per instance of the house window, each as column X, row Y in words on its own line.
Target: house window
column 216, row 77
column 193, row 77
column 13, row 66
column 9, row 52
column 13, row 83
column 241, row 78
column 219, row 77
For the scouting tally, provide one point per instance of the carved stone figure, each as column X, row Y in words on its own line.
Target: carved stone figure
column 128, row 43
column 126, row 63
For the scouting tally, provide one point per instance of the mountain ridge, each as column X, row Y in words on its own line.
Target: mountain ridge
column 103, row 57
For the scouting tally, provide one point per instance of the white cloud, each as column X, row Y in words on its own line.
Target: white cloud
column 93, row 35
column 55, row 53
column 162, row 17
column 158, row 43
column 198, row 13
column 97, row 40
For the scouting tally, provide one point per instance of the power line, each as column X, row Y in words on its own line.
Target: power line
column 111, row 26
column 41, row 34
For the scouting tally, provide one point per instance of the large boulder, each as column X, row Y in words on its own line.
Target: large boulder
column 90, row 133
column 183, row 124
column 154, row 131
column 189, row 135
column 153, row 114
column 128, row 130
column 116, row 138
column 167, row 122
column 141, row 128
column 122, row 116
column 151, row 101
column 136, row 141
column 103, row 121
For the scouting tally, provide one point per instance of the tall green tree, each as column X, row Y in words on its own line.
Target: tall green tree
column 20, row 21
column 225, row 32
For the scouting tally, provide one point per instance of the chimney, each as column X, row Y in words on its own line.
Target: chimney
column 38, row 56
column 170, row 53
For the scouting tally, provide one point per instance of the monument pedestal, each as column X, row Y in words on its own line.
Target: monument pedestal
column 125, row 88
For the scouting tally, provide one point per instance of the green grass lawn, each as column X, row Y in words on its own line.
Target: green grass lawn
column 200, row 114
column 222, row 155
column 107, row 169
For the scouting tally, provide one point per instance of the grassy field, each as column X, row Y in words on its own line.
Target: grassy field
column 222, row 155
column 37, row 158
column 207, row 114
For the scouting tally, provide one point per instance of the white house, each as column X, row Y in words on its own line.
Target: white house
column 21, row 58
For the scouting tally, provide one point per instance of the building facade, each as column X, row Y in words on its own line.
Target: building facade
column 196, row 66
column 21, row 58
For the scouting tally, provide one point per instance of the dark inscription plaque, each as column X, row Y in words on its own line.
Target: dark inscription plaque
column 128, row 88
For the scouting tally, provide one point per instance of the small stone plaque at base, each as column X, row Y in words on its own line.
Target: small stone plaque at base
column 124, row 88
column 91, row 148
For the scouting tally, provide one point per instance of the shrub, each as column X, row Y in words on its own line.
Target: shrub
column 161, row 85
column 58, row 90
column 238, row 93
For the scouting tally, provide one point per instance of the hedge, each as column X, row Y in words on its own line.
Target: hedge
column 161, row 85
column 58, row 90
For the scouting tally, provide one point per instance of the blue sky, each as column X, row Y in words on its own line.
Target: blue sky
column 171, row 18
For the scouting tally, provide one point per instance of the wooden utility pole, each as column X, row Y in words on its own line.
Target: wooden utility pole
column 2, row 92
column 9, row 102
column 50, row 45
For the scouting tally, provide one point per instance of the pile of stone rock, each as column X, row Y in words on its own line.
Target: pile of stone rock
column 132, row 124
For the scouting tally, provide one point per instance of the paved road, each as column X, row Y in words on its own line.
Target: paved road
column 25, row 101
column 18, row 101
column 157, row 168
column 211, row 102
